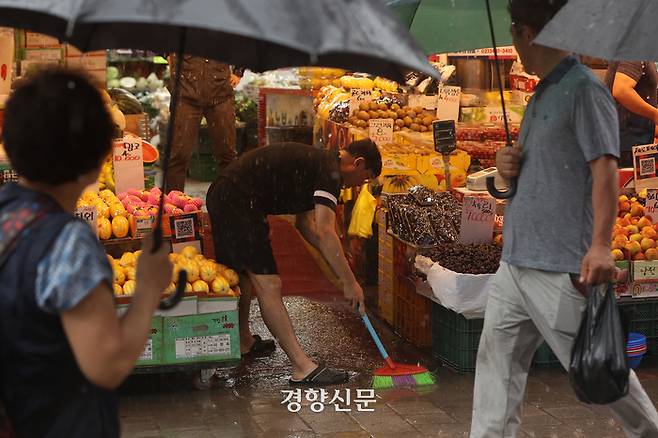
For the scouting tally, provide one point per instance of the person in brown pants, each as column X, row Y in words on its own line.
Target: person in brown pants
column 205, row 89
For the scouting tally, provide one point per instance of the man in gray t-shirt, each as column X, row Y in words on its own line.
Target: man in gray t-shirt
column 557, row 231
column 570, row 124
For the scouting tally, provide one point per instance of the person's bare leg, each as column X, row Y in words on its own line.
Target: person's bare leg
column 246, row 338
column 275, row 315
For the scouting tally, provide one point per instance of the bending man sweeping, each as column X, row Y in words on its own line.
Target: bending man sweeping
column 286, row 178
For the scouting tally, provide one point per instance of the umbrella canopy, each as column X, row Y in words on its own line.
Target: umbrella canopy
column 49, row 17
column 443, row 26
column 359, row 35
column 606, row 29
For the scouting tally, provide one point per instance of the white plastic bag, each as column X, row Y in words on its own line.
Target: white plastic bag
column 463, row 293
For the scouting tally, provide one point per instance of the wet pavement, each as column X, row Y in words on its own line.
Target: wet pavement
column 248, row 400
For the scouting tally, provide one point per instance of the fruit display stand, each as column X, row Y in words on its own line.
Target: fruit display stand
column 202, row 332
column 408, row 156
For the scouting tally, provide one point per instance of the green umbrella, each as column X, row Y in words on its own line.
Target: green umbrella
column 442, row 26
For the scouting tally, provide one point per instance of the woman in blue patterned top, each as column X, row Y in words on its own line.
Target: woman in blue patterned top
column 63, row 350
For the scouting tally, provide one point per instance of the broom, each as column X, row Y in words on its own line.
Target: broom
column 395, row 374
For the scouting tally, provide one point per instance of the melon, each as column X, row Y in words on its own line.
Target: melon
column 149, row 153
column 207, row 272
column 120, row 226
column 200, row 286
column 119, row 276
column 118, row 290
column 129, row 287
column 220, row 286
column 104, row 228
column 232, row 277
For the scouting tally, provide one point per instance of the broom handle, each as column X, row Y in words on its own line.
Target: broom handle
column 378, row 341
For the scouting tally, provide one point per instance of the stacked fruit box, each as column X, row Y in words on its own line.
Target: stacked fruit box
column 634, row 247
column 385, row 269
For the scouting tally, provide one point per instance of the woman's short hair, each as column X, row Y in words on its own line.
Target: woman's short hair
column 56, row 127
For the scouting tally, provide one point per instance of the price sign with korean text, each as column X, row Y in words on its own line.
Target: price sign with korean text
column 645, row 271
column 381, row 131
column 89, row 215
column 478, row 216
column 447, row 104
column 143, row 226
column 651, row 207
column 420, row 100
column 358, row 97
column 128, row 163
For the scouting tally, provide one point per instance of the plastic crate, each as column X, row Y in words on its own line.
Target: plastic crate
column 201, row 338
column 152, row 353
column 412, row 313
column 203, row 168
column 545, row 358
column 455, row 339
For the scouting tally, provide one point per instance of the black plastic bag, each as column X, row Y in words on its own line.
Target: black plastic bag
column 598, row 371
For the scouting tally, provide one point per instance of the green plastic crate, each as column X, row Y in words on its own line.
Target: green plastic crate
column 201, row 338
column 203, row 167
column 455, row 339
column 545, row 358
column 152, row 354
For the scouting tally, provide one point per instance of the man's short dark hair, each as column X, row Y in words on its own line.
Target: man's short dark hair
column 56, row 127
column 368, row 150
column 534, row 13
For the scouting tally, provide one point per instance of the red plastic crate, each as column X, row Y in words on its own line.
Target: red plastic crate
column 412, row 313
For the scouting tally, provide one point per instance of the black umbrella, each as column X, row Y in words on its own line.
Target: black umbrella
column 354, row 34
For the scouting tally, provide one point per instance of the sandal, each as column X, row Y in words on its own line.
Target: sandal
column 261, row 347
column 321, row 376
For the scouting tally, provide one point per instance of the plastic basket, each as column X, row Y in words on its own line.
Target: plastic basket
column 634, row 362
column 455, row 339
column 412, row 316
column 643, row 317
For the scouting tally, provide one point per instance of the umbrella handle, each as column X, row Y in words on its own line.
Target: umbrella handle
column 172, row 301
column 501, row 194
